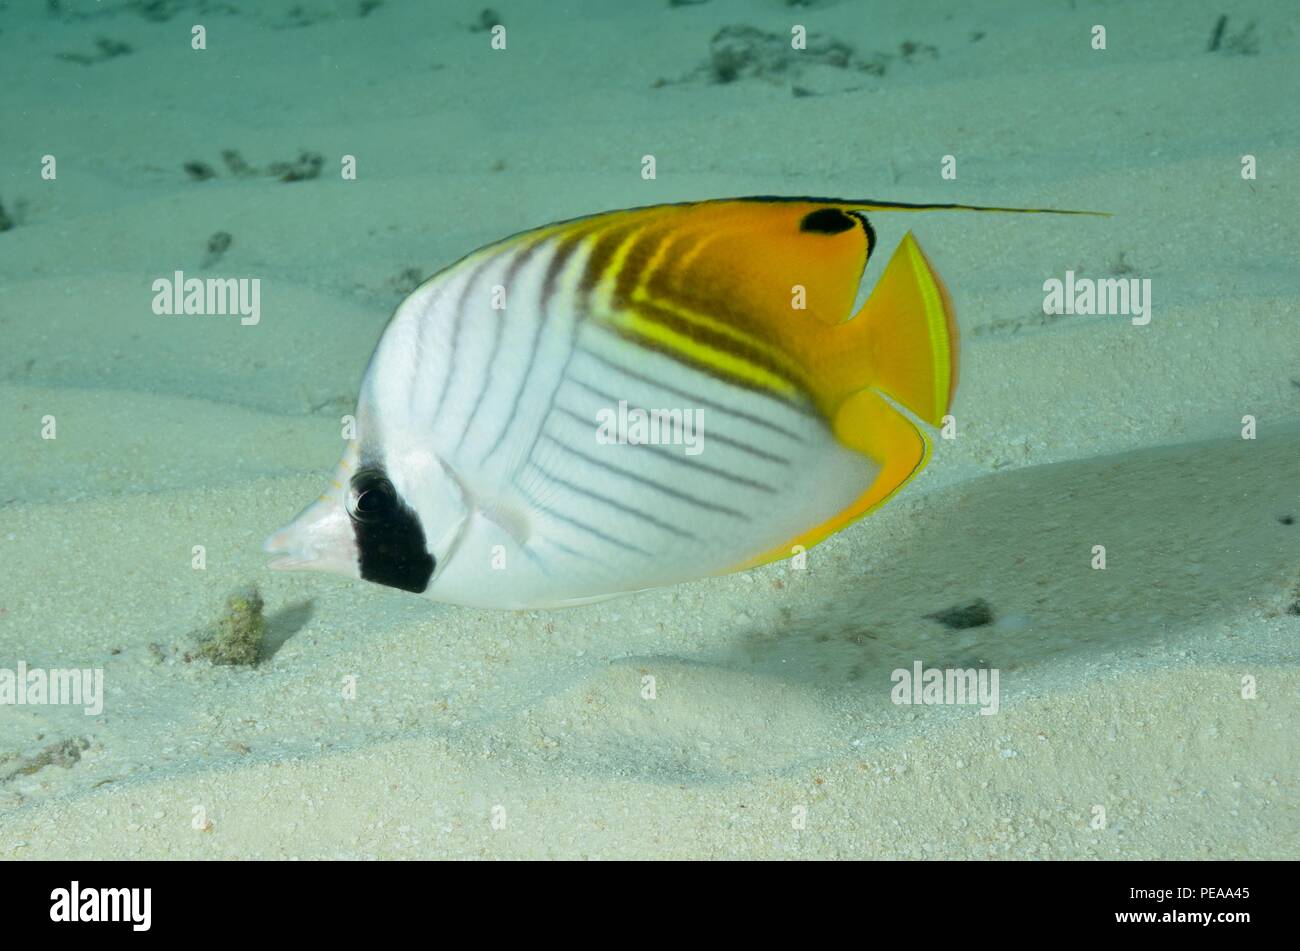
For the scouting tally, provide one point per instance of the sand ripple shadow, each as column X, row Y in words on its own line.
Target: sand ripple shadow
column 1193, row 534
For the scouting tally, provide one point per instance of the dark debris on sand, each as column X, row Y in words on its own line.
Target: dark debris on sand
column 306, row 166
column 741, row 52
column 959, row 617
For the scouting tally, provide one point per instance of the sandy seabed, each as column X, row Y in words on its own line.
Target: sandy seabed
column 1147, row 710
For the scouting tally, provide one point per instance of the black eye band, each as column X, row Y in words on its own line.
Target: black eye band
column 391, row 546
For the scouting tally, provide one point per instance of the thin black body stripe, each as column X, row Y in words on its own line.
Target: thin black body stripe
column 649, row 240
column 725, row 440
column 667, row 286
column 423, row 320
column 648, row 483
column 561, row 256
column 550, row 404
column 691, row 397
column 520, row 259
column 582, row 301
column 614, row 503
column 531, row 556
column 571, row 551
column 582, row 526
column 455, row 333
column 680, row 460
column 607, row 245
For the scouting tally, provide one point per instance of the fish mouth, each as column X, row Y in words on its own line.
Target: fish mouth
column 319, row 539
column 285, row 562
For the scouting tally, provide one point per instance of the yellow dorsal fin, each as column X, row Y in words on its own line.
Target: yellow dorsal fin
column 904, row 342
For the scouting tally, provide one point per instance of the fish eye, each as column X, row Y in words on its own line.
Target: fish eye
column 376, row 496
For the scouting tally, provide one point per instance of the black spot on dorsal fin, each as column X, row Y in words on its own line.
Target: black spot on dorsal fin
column 827, row 221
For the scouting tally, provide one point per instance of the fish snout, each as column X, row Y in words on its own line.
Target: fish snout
column 321, row 538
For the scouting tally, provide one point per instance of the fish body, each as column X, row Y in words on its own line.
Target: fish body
column 494, row 463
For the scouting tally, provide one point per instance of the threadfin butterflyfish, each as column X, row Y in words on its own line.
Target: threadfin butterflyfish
column 636, row 399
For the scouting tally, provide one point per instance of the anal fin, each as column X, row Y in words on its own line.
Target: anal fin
column 865, row 423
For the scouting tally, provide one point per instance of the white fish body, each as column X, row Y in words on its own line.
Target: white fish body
column 483, row 473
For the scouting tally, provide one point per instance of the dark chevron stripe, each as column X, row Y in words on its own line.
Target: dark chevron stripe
column 521, row 258
column 572, row 551
column 456, row 324
column 648, row 483
column 531, row 556
column 725, row 440
column 614, row 503
column 423, row 320
column 582, row 526
column 691, row 397
column 607, row 244
column 559, row 258
column 680, row 460
column 637, row 259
